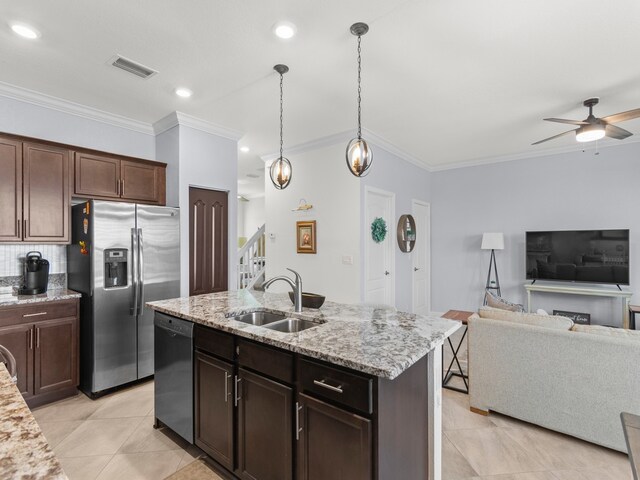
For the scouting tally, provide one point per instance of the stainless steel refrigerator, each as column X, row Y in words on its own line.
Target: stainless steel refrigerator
column 121, row 256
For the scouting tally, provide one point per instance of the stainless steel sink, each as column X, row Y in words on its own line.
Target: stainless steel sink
column 259, row 318
column 292, row 325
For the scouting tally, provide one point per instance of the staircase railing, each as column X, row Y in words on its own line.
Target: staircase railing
column 251, row 260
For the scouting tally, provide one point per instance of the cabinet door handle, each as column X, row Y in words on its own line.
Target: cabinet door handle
column 118, row 187
column 237, row 391
column 37, row 337
column 298, row 427
column 33, row 314
column 226, row 387
column 19, row 229
column 122, row 188
column 322, row 383
column 24, row 228
column 31, row 339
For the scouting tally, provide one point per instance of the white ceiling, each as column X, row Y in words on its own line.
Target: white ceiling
column 446, row 81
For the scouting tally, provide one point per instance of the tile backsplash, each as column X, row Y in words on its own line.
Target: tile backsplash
column 12, row 258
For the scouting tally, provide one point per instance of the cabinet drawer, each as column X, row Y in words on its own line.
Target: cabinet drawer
column 273, row 362
column 345, row 388
column 37, row 312
column 214, row 342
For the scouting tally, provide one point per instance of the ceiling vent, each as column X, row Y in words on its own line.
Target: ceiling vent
column 130, row 66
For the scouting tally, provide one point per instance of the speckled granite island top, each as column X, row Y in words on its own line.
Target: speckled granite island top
column 380, row 341
column 9, row 298
column 24, row 452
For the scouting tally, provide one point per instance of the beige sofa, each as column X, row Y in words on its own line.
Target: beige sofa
column 574, row 380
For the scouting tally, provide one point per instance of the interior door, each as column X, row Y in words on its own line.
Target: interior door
column 379, row 257
column 159, row 254
column 208, row 241
column 421, row 267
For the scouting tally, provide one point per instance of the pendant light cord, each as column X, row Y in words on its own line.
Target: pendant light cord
column 281, row 77
column 359, row 88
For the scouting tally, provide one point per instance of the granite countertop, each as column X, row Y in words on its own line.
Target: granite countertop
column 9, row 296
column 24, row 452
column 377, row 340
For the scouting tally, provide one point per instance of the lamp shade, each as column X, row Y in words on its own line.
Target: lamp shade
column 492, row 241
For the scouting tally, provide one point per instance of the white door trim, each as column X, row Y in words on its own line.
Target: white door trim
column 390, row 235
column 416, row 201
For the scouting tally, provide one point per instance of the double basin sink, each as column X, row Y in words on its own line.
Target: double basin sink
column 276, row 321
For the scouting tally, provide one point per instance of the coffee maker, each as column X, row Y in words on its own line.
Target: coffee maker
column 36, row 274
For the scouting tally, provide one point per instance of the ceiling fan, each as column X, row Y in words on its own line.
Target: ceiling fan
column 593, row 128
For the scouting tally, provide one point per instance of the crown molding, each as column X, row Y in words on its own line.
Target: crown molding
column 344, row 137
column 179, row 118
column 65, row 106
column 576, row 148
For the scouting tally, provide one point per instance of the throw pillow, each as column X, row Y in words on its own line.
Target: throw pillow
column 607, row 331
column 495, row 301
column 555, row 322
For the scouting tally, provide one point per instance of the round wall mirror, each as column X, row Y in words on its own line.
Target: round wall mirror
column 406, row 233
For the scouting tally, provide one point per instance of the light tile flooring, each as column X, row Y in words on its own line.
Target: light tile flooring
column 114, row 438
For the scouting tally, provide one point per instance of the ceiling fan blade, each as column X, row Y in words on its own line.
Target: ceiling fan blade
column 564, row 120
column 554, row 137
column 618, row 133
column 622, row 117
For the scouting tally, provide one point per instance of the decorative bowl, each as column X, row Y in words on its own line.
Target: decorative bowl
column 309, row 300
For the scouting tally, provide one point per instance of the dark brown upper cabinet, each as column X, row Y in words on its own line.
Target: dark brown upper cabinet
column 45, row 196
column 10, row 190
column 34, row 192
column 110, row 177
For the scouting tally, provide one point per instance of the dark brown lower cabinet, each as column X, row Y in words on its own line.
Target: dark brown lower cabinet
column 18, row 339
column 214, row 405
column 333, row 443
column 43, row 338
column 264, row 428
column 56, row 355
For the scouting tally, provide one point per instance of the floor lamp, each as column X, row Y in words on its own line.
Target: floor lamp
column 493, row 242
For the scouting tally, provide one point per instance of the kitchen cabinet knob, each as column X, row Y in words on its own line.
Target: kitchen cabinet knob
column 386, row 272
column 415, row 269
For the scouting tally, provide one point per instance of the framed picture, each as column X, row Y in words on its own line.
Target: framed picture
column 306, row 236
column 577, row 317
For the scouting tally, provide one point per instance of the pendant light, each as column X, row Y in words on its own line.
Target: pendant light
column 280, row 171
column 359, row 155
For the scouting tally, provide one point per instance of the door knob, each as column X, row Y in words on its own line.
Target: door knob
column 415, row 269
column 386, row 273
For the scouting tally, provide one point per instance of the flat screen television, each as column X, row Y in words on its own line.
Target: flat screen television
column 592, row 256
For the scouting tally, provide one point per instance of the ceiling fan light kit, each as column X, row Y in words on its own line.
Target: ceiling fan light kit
column 280, row 170
column 359, row 154
column 593, row 128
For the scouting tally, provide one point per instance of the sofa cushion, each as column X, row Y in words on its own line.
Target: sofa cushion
column 607, row 331
column 495, row 301
column 555, row 322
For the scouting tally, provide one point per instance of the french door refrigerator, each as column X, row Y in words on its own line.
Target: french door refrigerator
column 121, row 256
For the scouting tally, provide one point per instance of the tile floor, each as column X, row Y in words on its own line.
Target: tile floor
column 113, row 438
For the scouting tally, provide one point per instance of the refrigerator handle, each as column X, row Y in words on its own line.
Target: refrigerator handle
column 140, row 272
column 133, row 307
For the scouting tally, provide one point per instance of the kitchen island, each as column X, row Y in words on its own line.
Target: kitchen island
column 356, row 396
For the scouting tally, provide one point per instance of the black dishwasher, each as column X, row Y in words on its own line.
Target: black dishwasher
column 173, row 347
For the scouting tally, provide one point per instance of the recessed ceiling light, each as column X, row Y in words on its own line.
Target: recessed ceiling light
column 245, row 149
column 183, row 92
column 25, row 31
column 284, row 30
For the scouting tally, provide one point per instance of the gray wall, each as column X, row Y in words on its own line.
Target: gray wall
column 23, row 118
column 408, row 182
column 561, row 192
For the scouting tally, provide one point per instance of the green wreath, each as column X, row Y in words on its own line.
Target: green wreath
column 378, row 229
